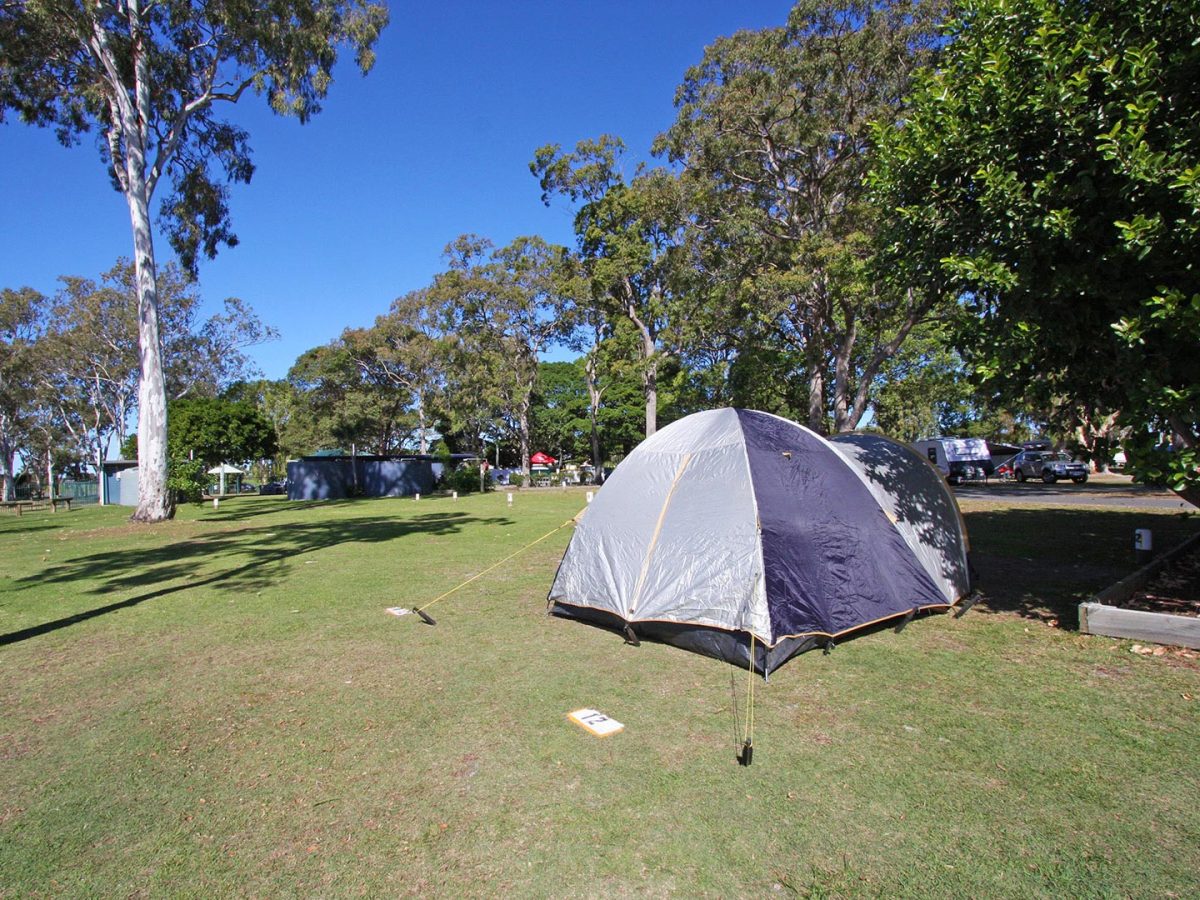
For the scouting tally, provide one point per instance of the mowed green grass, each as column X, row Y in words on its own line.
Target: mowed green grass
column 221, row 706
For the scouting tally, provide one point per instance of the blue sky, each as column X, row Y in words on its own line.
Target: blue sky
column 352, row 210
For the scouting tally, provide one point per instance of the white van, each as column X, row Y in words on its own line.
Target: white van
column 959, row 459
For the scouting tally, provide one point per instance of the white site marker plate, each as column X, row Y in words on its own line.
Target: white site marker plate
column 596, row 722
column 398, row 610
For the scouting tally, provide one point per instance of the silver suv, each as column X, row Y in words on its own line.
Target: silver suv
column 1049, row 466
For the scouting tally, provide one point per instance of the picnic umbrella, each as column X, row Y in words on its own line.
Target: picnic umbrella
column 542, row 459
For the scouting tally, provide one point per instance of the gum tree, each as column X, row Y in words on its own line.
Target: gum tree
column 149, row 77
column 775, row 125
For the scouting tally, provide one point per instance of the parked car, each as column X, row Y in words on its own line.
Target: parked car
column 1049, row 466
column 273, row 487
column 248, row 487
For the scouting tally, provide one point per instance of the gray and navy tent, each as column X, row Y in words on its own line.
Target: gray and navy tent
column 732, row 532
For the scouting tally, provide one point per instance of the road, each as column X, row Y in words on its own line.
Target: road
column 1100, row 490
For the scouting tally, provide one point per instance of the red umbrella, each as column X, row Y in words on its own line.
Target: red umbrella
column 541, row 459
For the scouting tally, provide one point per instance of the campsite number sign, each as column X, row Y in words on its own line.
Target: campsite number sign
column 595, row 722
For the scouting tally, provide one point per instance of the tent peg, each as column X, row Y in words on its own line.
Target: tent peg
column 747, row 755
column 966, row 605
column 631, row 637
column 425, row 617
column 908, row 617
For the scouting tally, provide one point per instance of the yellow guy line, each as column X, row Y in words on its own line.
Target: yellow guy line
column 421, row 609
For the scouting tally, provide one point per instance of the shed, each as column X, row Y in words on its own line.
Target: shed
column 120, row 478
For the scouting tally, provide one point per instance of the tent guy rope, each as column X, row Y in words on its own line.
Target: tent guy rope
column 428, row 620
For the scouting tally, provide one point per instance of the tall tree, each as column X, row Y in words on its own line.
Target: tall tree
column 402, row 349
column 1049, row 171
column 340, row 406
column 776, row 125
column 631, row 237
column 22, row 324
column 503, row 308
column 150, row 76
column 94, row 372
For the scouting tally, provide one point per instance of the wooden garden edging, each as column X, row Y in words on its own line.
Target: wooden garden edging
column 1100, row 616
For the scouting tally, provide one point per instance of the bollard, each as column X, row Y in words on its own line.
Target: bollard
column 510, row 499
column 418, row 497
column 216, row 502
column 590, row 494
column 1143, row 545
column 454, row 495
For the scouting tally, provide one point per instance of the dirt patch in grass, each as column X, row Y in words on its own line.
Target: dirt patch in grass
column 1175, row 589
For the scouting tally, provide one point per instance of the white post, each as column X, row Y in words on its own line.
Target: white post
column 510, row 499
column 216, row 502
column 418, row 497
column 1143, row 545
column 454, row 495
column 590, row 494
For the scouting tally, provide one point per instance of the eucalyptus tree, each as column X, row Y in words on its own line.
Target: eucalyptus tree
column 338, row 405
column 403, row 349
column 150, row 77
column 502, row 309
column 631, row 233
column 776, row 125
column 22, row 326
column 91, row 370
column 1049, row 171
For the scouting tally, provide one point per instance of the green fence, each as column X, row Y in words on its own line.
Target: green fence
column 83, row 492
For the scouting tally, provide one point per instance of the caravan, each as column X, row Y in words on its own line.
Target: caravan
column 959, row 459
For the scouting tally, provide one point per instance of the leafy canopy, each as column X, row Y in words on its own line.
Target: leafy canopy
column 149, row 76
column 1049, row 171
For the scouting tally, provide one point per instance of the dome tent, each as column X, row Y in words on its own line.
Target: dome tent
column 732, row 530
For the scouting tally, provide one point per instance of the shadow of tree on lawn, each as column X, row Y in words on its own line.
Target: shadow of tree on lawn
column 263, row 555
column 1042, row 563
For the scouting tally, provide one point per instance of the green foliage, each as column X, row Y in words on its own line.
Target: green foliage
column 22, row 324
column 337, row 401
column 1047, row 173
column 465, row 480
column 214, row 431
column 773, row 131
column 516, row 479
column 498, row 311
column 187, row 478
column 194, row 56
column 559, row 415
column 632, row 243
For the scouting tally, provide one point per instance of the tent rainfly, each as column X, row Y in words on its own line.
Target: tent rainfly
column 735, row 533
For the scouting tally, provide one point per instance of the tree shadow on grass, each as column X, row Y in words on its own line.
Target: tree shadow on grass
column 1042, row 563
column 28, row 527
column 264, row 554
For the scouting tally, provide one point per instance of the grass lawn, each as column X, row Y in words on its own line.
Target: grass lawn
column 221, row 706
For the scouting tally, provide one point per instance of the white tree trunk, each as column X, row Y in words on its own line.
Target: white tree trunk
column 154, row 500
column 593, row 389
column 7, row 485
